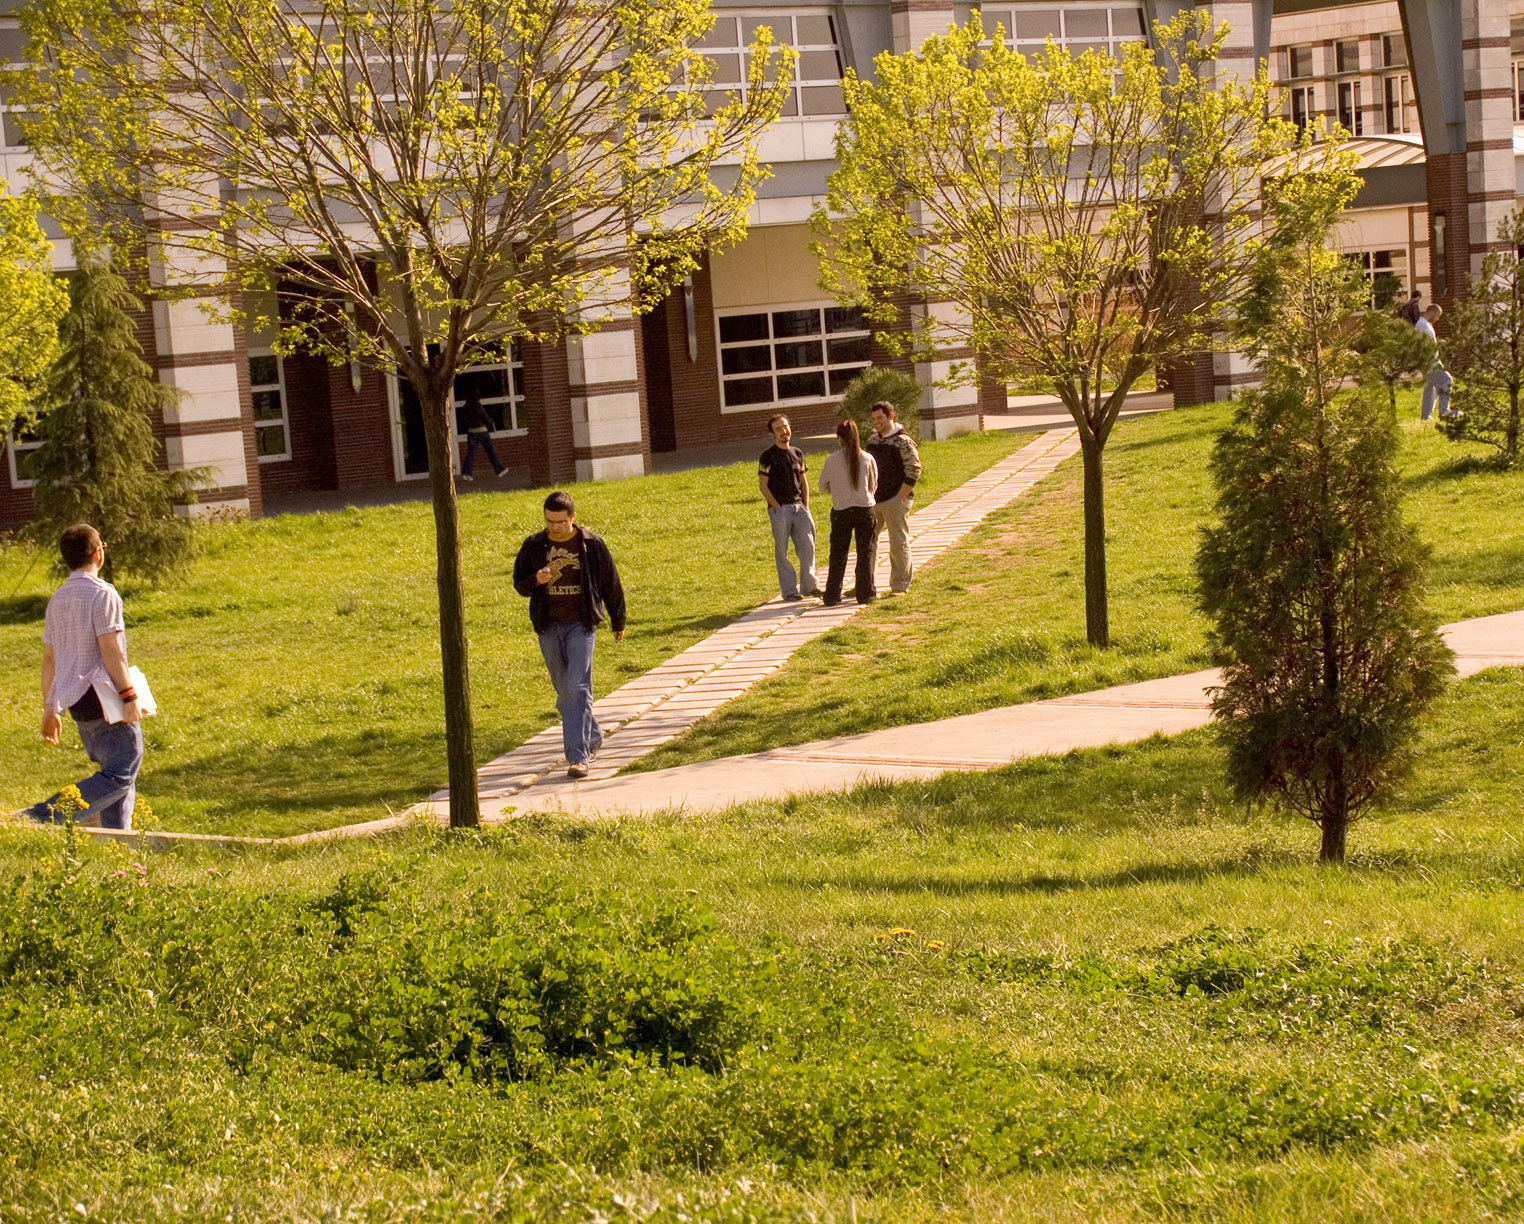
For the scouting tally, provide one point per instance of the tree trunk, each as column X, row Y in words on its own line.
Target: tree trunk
column 1334, row 827
column 1096, row 629
column 1511, row 435
column 460, row 749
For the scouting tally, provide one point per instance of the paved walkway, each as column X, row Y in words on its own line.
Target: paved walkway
column 670, row 698
column 982, row 741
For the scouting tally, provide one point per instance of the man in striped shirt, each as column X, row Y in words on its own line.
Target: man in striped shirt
column 84, row 643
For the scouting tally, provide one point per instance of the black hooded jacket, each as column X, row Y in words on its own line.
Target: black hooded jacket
column 601, row 587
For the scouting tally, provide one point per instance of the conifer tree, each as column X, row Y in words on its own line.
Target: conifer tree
column 96, row 463
column 1486, row 350
column 1312, row 577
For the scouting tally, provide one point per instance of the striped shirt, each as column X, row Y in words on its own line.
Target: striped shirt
column 83, row 609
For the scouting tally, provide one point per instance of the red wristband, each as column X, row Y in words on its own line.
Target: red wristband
column 128, row 694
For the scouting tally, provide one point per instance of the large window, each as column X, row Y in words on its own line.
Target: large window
column 21, row 444
column 267, row 387
column 1074, row 27
column 816, row 87
column 12, row 55
column 776, row 356
column 501, row 387
column 1350, row 115
column 1398, row 103
column 1387, row 272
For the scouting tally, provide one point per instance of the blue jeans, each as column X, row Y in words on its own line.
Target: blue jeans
column 476, row 440
column 1436, row 388
column 793, row 522
column 568, row 651
column 117, row 748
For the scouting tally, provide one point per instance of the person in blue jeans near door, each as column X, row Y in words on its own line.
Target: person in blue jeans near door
column 84, row 643
column 781, row 477
column 570, row 578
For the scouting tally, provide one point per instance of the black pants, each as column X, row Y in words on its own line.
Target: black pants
column 853, row 521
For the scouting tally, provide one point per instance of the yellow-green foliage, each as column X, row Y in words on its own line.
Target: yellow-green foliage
column 33, row 303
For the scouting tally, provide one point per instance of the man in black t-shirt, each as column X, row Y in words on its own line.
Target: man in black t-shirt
column 781, row 477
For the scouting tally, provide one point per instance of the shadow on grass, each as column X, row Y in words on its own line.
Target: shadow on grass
column 1043, row 885
column 22, row 609
column 1458, row 469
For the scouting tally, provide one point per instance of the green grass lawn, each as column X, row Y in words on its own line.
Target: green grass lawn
column 1002, row 620
column 1083, row 988
column 298, row 669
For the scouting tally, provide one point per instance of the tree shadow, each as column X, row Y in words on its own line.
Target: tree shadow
column 1458, row 469
column 22, row 609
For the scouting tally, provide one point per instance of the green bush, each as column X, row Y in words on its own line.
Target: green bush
column 881, row 383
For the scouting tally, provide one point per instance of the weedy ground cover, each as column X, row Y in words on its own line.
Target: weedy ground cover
column 1001, row 620
column 298, row 669
column 1081, row 988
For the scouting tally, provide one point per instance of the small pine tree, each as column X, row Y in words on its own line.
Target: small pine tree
column 96, row 462
column 1311, row 577
column 1486, row 350
column 881, row 383
column 1393, row 353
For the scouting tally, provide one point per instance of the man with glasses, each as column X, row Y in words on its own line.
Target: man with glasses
column 569, row 576
column 84, row 648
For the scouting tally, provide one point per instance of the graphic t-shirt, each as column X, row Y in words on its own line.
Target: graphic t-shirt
column 565, row 589
column 784, row 468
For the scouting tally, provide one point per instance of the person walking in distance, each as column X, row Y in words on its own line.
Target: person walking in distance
column 478, row 436
column 1412, row 310
column 570, row 578
column 899, row 467
column 84, row 644
column 781, row 477
column 1436, row 387
column 849, row 477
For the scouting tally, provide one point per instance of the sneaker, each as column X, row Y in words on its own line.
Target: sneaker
column 463, row 476
column 794, row 598
column 577, row 769
column 500, row 473
column 817, row 593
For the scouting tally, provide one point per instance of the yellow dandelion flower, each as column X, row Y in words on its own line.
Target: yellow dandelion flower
column 902, row 931
column 934, row 944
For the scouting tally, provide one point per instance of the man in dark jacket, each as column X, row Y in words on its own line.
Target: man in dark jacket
column 569, row 576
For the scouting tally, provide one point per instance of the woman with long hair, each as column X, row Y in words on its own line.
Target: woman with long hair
column 850, row 476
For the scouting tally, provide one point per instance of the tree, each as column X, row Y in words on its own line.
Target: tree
column 33, row 299
column 1312, row 578
column 1080, row 220
column 882, row 383
column 1486, row 349
column 423, row 179
column 96, row 463
column 1393, row 353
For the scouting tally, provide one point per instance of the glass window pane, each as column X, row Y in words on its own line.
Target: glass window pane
column 743, row 327
column 26, row 464
column 726, row 69
column 996, row 17
column 818, row 66
column 748, row 391
column 1127, row 22
column 264, row 370
column 1078, row 49
column 822, row 100
column 746, row 360
column 799, row 353
column 12, row 46
column 722, row 34
column 1086, row 23
column 790, row 106
column 796, row 322
column 267, row 406
column 844, row 351
column 271, row 441
column 779, row 25
column 840, row 379
column 815, row 31
column 489, row 384
column 1037, row 23
column 844, row 318
column 798, row 386
column 14, row 138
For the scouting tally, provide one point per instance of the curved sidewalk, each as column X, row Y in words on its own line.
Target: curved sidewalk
column 982, row 741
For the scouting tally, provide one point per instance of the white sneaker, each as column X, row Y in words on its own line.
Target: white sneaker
column 577, row 769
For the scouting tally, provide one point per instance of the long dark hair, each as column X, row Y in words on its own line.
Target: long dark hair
column 846, row 434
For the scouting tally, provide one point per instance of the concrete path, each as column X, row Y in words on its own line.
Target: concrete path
column 982, row 741
column 670, row 698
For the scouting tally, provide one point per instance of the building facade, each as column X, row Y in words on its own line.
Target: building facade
column 1431, row 93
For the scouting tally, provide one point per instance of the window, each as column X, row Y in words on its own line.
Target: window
column 1518, row 90
column 809, row 352
column 1350, row 115
column 267, row 388
column 12, row 55
column 1394, row 51
column 1387, row 272
column 21, row 445
column 1298, row 62
column 1077, row 29
column 1303, row 105
column 1399, row 106
column 816, row 87
column 501, row 387
column 1347, row 56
